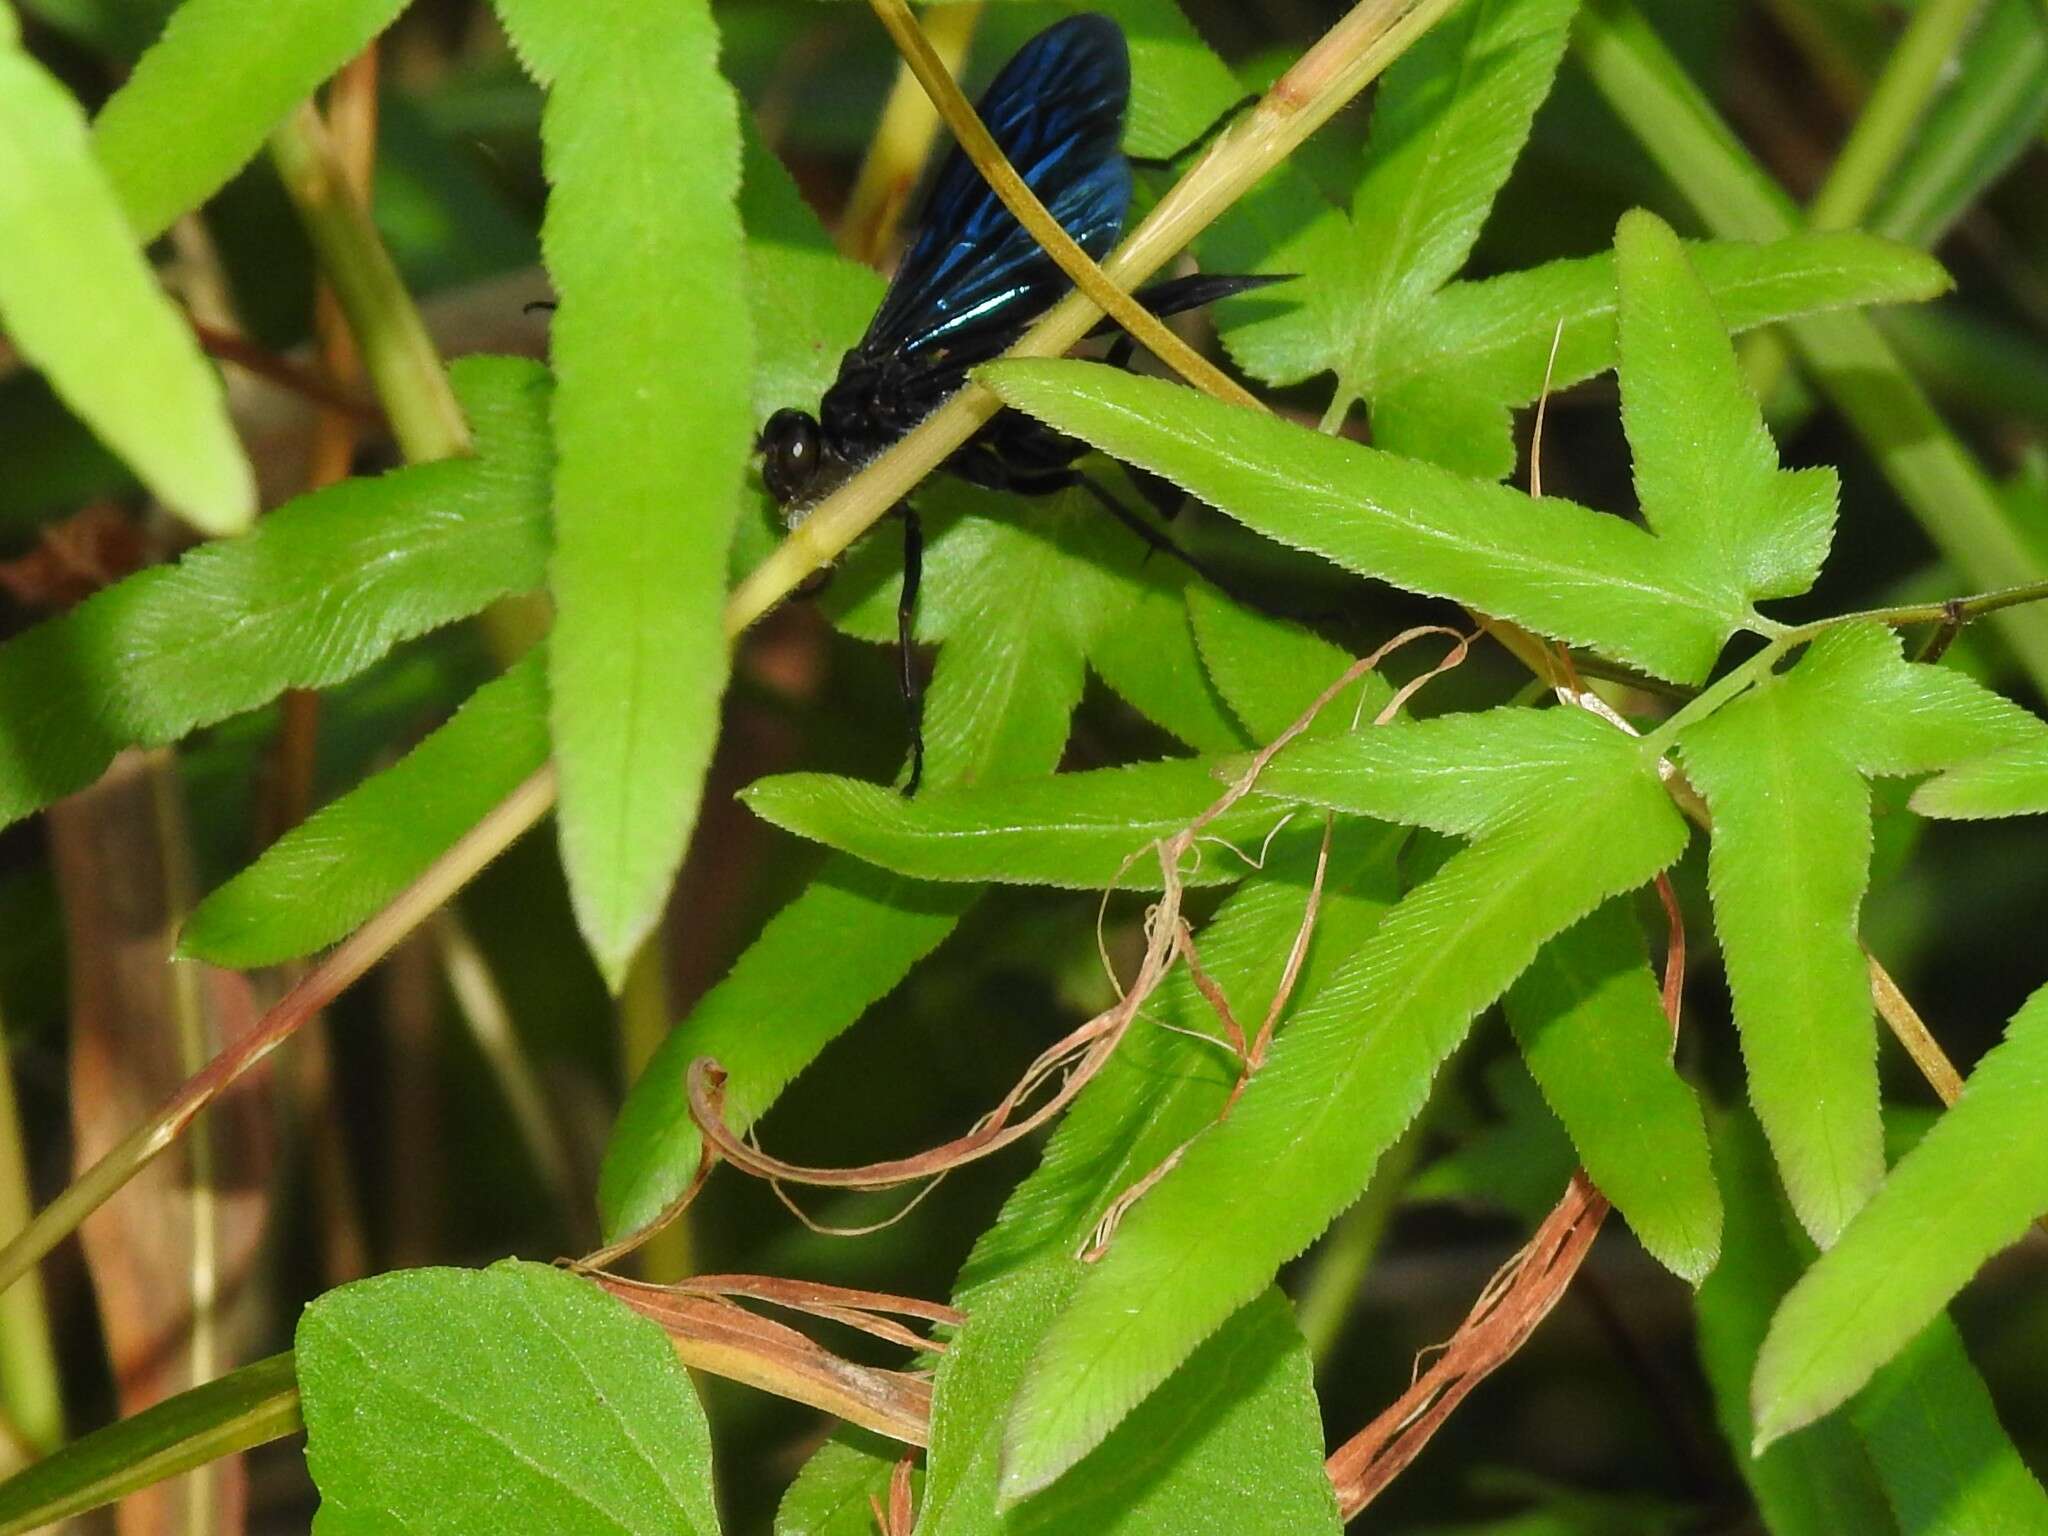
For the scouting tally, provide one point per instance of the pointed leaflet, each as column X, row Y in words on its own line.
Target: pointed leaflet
column 199, row 102
column 520, row 1398
column 1966, row 1191
column 1231, row 1445
column 1555, row 567
column 317, row 882
column 1782, row 770
column 1270, row 671
column 1447, row 127
column 652, row 353
column 322, row 588
column 1078, row 830
column 830, row 1497
column 1927, row 1425
column 1476, row 349
column 1592, row 1028
column 1447, row 124
column 1163, row 1086
column 1706, row 471
column 1451, row 118
column 1343, row 1081
column 1820, row 1484
column 80, row 303
column 2010, row 782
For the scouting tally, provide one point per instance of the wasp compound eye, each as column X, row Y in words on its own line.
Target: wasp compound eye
column 790, row 450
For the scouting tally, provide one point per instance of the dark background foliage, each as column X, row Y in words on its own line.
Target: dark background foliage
column 1604, row 1420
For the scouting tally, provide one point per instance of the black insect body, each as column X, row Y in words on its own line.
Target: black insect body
column 972, row 281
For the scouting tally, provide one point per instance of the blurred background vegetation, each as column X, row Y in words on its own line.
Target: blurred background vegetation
column 389, row 1140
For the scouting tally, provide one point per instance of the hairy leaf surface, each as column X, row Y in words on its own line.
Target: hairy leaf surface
column 447, row 1400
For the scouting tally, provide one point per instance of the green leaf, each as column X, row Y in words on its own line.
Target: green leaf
column 1967, row 1190
column 652, row 354
column 2010, row 782
column 80, row 303
column 1231, row 1444
column 1941, row 484
column 235, row 1412
column 199, row 102
column 316, row 883
column 1078, row 830
column 1558, row 568
column 1782, row 770
column 515, row 1399
column 830, row 1496
column 1449, row 121
column 1462, row 774
column 841, row 946
column 998, row 708
column 1447, row 126
column 1591, row 1026
column 1706, row 471
column 1342, row 1083
column 1151, row 658
column 1947, row 1465
column 1270, row 671
column 1169, row 1080
column 1821, row 1483
column 324, row 587
column 1476, row 349
column 808, row 303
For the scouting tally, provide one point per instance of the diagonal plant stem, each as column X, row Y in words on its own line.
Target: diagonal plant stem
column 903, row 138
column 988, row 157
column 397, row 351
column 1876, row 144
column 1348, row 57
column 1340, row 65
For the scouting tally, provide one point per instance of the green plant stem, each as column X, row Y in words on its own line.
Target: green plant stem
column 30, row 1387
column 1884, row 129
column 643, row 1025
column 902, row 140
column 1876, row 146
column 398, row 354
column 1933, row 474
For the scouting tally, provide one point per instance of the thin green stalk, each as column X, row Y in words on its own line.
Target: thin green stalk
column 1884, row 129
column 30, row 1387
column 643, row 1024
column 188, row 1012
column 481, row 1005
column 1934, row 475
column 398, row 354
column 1876, row 145
column 902, row 141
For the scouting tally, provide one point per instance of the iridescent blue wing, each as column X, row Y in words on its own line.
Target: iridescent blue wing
column 973, row 272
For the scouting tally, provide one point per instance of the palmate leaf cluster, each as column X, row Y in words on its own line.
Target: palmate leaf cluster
column 1495, row 854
